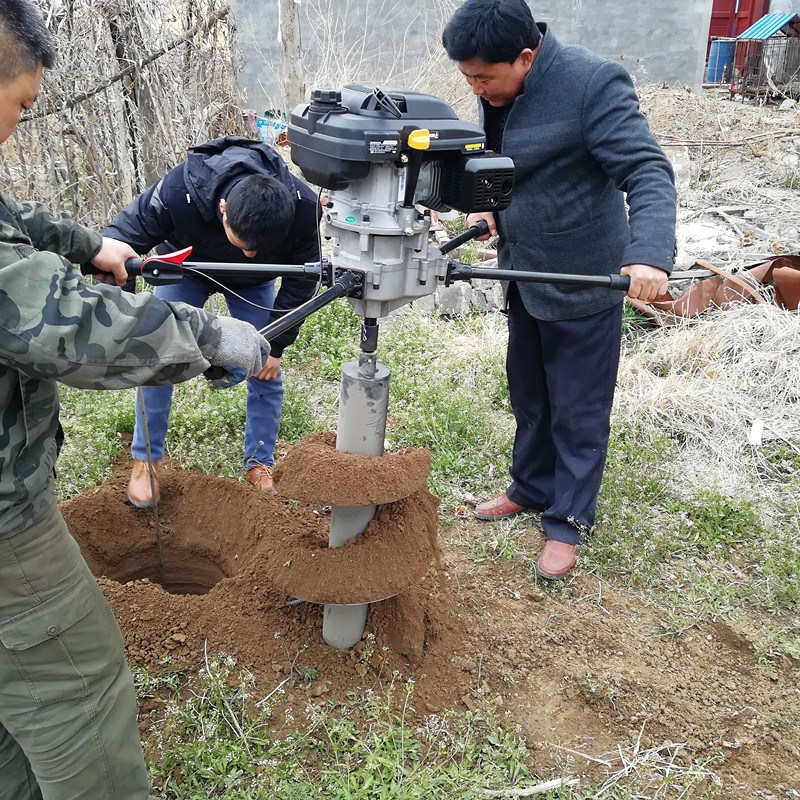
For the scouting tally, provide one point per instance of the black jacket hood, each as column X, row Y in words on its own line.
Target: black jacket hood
column 212, row 168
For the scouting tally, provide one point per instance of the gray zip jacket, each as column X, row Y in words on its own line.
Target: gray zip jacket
column 54, row 327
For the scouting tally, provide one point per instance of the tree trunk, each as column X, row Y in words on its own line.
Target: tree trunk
column 294, row 84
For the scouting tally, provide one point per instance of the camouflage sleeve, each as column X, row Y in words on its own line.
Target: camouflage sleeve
column 54, row 326
column 57, row 233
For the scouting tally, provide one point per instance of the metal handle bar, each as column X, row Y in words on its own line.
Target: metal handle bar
column 346, row 284
column 481, row 228
column 463, row 272
column 161, row 273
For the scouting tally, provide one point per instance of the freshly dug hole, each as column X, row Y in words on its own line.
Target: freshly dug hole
column 184, row 571
column 217, row 531
column 206, row 533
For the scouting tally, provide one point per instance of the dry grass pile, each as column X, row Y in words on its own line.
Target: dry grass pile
column 710, row 384
column 707, row 382
column 739, row 157
column 709, row 117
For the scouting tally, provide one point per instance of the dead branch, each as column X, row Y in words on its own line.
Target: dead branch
column 162, row 77
column 540, row 788
column 201, row 27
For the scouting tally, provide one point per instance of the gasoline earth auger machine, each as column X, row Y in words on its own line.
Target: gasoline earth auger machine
column 385, row 158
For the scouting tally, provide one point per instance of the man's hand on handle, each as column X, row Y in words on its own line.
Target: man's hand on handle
column 111, row 259
column 647, row 283
column 473, row 219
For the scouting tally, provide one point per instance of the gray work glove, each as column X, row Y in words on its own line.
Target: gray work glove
column 241, row 353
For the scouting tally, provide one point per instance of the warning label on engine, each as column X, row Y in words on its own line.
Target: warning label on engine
column 380, row 146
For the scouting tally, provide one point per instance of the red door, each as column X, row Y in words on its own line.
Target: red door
column 730, row 17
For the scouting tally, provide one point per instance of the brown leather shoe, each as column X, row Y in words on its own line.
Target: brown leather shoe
column 499, row 508
column 261, row 476
column 556, row 559
column 140, row 492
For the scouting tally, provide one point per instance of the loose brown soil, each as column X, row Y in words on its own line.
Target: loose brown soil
column 313, row 470
column 584, row 668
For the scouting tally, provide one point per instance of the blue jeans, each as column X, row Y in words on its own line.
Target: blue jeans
column 264, row 398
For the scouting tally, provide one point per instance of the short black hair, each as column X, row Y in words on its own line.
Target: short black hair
column 25, row 41
column 260, row 211
column 494, row 31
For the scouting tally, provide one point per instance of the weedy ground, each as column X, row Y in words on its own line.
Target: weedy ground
column 695, row 552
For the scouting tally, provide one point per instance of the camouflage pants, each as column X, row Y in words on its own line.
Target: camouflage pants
column 68, row 726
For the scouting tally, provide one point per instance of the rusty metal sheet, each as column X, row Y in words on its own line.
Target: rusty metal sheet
column 724, row 289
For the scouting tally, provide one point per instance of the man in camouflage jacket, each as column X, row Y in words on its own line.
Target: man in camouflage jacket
column 68, row 727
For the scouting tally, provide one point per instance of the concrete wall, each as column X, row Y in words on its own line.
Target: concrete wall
column 383, row 39
column 784, row 6
column 662, row 40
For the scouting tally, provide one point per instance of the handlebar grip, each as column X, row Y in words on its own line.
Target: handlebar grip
column 481, row 228
column 89, row 269
column 621, row 282
column 133, row 266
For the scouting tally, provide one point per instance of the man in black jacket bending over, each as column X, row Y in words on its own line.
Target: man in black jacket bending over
column 232, row 200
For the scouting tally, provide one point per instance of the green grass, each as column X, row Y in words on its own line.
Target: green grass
column 501, row 544
column 632, row 537
column 206, row 427
column 219, row 736
column 303, row 414
column 791, row 179
column 696, row 553
column 449, row 396
column 327, row 339
column 709, row 522
column 93, row 422
column 634, row 321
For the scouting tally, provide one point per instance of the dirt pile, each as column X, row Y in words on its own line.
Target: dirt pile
column 314, row 471
column 589, row 669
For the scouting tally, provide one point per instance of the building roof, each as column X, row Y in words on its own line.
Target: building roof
column 770, row 24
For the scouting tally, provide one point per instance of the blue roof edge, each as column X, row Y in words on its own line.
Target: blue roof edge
column 768, row 26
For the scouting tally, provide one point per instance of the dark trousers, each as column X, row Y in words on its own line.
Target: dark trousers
column 561, row 379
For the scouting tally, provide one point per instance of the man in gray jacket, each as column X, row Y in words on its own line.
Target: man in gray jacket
column 570, row 121
column 68, row 728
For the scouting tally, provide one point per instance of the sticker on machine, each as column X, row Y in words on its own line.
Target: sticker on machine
column 382, row 147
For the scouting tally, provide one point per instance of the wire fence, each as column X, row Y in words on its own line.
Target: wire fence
column 768, row 68
column 136, row 83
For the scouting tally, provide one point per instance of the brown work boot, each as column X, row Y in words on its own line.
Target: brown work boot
column 499, row 508
column 556, row 559
column 140, row 492
column 261, row 477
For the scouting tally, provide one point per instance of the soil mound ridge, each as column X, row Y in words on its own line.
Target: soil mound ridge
column 316, row 472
